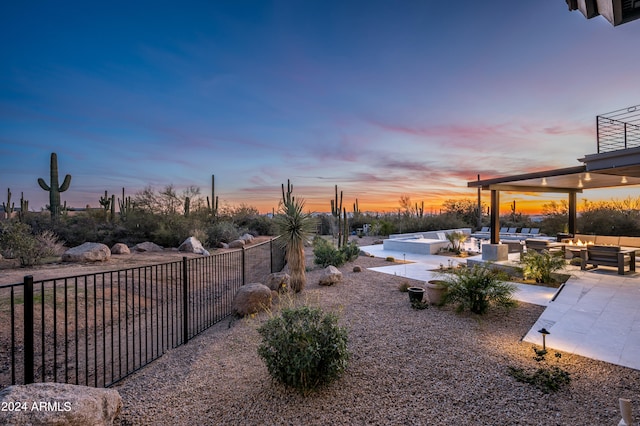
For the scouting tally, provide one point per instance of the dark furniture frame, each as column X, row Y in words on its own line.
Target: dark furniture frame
column 615, row 256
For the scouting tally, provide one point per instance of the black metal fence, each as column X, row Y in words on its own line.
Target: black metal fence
column 618, row 129
column 97, row 329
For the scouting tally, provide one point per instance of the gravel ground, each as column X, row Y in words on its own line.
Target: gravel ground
column 407, row 367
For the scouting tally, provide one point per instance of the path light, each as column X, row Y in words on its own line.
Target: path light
column 544, row 333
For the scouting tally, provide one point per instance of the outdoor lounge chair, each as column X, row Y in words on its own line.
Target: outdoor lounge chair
column 541, row 245
column 534, row 231
column 524, row 231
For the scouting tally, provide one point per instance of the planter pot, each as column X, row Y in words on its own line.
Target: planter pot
column 415, row 294
column 435, row 291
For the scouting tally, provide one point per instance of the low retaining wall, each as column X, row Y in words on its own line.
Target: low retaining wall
column 427, row 242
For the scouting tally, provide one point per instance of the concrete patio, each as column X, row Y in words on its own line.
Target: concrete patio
column 596, row 314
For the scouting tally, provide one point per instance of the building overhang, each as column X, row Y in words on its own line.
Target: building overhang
column 605, row 170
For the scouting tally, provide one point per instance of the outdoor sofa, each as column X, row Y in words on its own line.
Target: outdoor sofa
column 597, row 255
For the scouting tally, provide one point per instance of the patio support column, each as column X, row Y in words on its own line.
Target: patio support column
column 572, row 212
column 495, row 216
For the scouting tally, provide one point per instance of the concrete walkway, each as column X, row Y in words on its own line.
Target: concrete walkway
column 596, row 314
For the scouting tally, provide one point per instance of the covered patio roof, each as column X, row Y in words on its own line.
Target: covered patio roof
column 602, row 170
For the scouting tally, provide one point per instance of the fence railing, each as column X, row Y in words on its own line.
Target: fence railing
column 618, row 129
column 97, row 329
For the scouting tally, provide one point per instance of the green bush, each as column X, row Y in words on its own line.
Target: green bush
column 18, row 242
column 222, row 232
column 540, row 266
column 477, row 289
column 304, row 347
column 350, row 251
column 325, row 253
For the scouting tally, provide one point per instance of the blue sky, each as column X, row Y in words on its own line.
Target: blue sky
column 382, row 98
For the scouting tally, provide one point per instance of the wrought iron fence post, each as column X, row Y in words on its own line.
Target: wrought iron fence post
column 598, row 132
column 28, row 329
column 185, row 300
column 625, row 135
column 244, row 265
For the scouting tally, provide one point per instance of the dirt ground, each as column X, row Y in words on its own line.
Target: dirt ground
column 12, row 273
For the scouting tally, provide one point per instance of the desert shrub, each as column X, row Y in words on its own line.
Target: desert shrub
column 350, row 251
column 404, row 286
column 304, row 348
column 477, row 289
column 222, row 232
column 546, row 378
column 49, row 244
column 17, row 242
column 540, row 266
column 261, row 225
column 325, row 253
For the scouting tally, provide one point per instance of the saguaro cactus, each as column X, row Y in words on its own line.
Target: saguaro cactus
column 213, row 204
column 336, row 211
column 54, row 188
column 24, row 207
column 8, row 208
column 126, row 206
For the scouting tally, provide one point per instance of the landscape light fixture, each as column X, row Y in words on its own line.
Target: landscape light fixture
column 544, row 333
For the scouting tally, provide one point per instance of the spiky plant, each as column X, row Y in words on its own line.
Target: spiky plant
column 296, row 227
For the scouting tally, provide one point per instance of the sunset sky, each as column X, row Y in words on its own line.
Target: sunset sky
column 382, row 98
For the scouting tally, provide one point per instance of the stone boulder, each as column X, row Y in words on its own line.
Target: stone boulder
column 223, row 245
column 247, row 238
column 330, row 276
column 120, row 248
column 193, row 245
column 357, row 268
column 87, row 252
column 251, row 298
column 148, row 246
column 60, row 404
column 237, row 244
column 278, row 281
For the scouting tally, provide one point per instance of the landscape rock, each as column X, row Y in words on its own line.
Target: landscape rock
column 148, row 246
column 87, row 252
column 357, row 268
column 60, row 404
column 330, row 276
column 278, row 281
column 237, row 244
column 120, row 248
column 223, row 245
column 247, row 238
column 251, row 298
column 193, row 245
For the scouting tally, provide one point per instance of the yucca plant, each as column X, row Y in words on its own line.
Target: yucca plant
column 296, row 227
